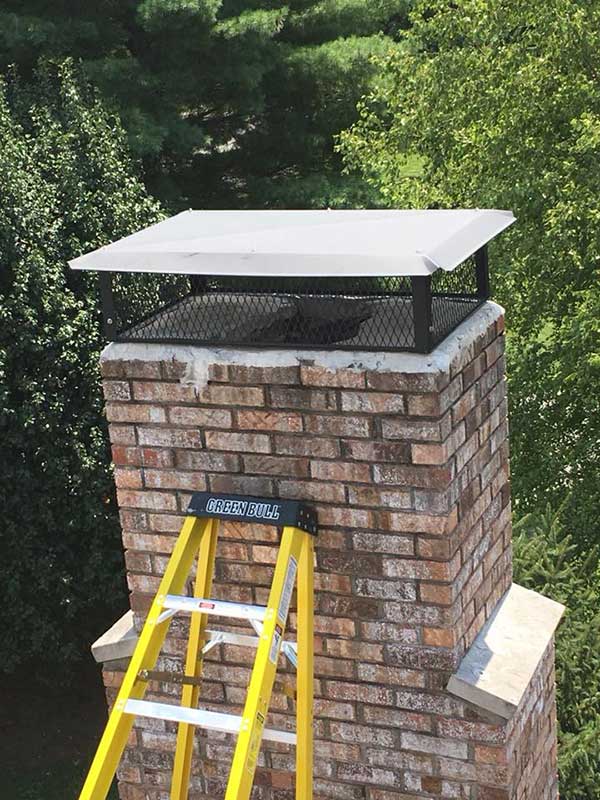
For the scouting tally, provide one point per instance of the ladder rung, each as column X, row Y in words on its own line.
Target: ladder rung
column 211, row 720
column 220, row 608
column 241, row 639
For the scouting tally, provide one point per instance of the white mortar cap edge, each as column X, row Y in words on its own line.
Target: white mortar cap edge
column 439, row 360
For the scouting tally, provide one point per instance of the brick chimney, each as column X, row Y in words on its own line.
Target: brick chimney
column 434, row 673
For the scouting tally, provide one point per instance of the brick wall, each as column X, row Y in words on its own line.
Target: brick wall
column 409, row 472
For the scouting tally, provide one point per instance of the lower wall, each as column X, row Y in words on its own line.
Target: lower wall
column 532, row 737
column 381, row 733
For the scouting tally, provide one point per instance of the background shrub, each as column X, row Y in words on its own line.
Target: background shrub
column 68, row 186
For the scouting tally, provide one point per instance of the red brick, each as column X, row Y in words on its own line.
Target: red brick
column 490, row 755
column 373, row 402
column 133, row 520
column 129, row 412
column 406, row 381
column 424, row 405
column 492, row 793
column 233, row 395
column 122, row 434
column 138, row 562
column 203, row 417
column 395, row 452
column 116, row 390
column 415, row 569
column 340, row 471
column 394, row 676
column 331, row 425
column 349, row 562
column 419, row 430
column 269, row 421
column 174, row 479
column 162, row 392
column 241, row 484
column 434, row 548
column 345, row 517
column 306, row 446
column 426, row 477
column 240, row 373
column 207, row 461
column 439, row 637
column 157, row 501
column 382, row 543
column 128, row 478
column 169, row 437
column 304, row 399
column 429, row 453
column 377, row 695
column 312, row 490
column 344, row 378
column 130, row 369
column 423, row 523
column 466, row 404
column 276, row 465
column 156, row 458
column 376, row 496
column 251, row 442
column 471, row 731
column 126, row 456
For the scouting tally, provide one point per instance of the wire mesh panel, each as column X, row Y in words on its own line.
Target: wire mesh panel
column 337, row 313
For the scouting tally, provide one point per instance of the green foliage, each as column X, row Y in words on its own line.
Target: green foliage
column 500, row 103
column 67, row 186
column 228, row 102
column 547, row 560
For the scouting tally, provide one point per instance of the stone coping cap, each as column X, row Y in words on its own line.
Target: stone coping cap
column 117, row 642
column 499, row 665
column 451, row 352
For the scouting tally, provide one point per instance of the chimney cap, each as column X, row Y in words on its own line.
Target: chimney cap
column 331, row 243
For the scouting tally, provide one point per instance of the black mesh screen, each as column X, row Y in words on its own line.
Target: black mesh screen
column 336, row 313
column 453, row 297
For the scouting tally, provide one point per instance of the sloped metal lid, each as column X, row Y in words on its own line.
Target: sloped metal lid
column 303, row 243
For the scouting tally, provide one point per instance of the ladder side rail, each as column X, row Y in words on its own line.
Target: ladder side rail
column 262, row 679
column 305, row 672
column 193, row 664
column 118, row 728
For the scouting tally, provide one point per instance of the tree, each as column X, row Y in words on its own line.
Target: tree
column 499, row 103
column 68, row 186
column 227, row 102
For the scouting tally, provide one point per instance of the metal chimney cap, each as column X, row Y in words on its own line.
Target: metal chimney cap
column 340, row 243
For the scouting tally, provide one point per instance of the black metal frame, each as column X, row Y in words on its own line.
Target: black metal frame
column 433, row 306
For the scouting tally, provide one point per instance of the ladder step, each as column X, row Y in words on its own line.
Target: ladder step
column 211, row 720
column 219, row 608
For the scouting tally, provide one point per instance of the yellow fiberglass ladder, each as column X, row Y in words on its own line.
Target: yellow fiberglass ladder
column 198, row 538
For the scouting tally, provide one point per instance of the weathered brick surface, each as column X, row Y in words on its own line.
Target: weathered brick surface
column 409, row 473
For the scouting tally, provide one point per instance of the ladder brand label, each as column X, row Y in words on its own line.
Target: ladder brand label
column 288, row 588
column 243, row 508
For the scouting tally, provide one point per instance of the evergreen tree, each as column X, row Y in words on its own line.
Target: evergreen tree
column 228, row 102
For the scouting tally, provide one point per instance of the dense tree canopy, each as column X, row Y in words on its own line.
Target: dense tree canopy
column 498, row 105
column 228, row 102
column 67, row 186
